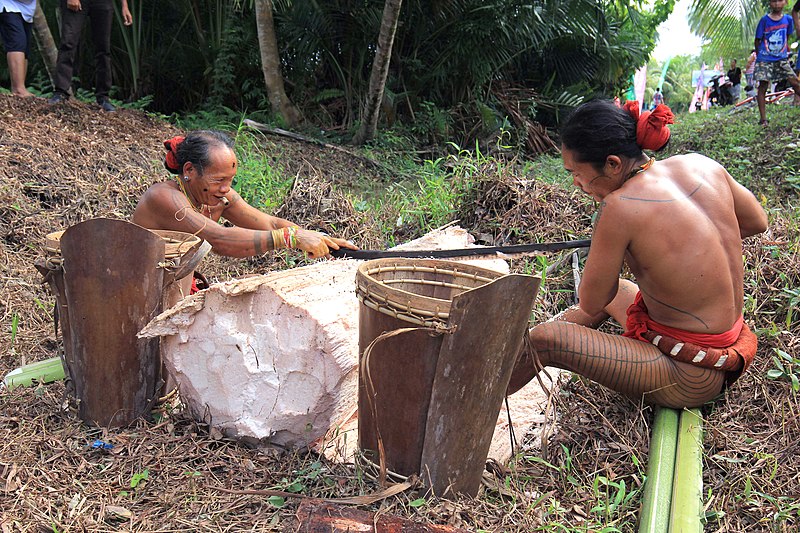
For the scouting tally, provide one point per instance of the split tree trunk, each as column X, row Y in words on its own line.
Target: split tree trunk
column 275, row 357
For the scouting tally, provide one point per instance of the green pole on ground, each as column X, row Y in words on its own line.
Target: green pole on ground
column 660, row 472
column 42, row 371
column 687, row 492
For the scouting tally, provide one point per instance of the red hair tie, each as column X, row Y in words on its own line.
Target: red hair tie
column 652, row 132
column 171, row 161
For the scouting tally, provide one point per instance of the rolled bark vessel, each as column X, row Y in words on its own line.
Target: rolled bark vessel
column 109, row 277
column 438, row 341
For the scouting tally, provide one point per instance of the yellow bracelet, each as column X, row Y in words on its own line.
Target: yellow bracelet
column 284, row 237
column 278, row 241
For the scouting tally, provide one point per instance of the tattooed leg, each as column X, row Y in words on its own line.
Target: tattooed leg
column 526, row 368
column 632, row 367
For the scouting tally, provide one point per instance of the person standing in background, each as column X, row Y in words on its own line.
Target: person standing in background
column 772, row 46
column 750, row 67
column 16, row 22
column 735, row 77
column 658, row 98
column 73, row 16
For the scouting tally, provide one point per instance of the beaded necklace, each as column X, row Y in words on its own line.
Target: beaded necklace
column 642, row 168
column 203, row 207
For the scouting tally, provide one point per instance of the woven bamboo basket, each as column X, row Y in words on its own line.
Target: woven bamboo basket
column 417, row 291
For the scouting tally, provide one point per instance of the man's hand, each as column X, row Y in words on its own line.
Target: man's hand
column 318, row 245
column 74, row 5
column 127, row 18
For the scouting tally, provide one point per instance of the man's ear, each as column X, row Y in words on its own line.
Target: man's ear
column 614, row 163
column 190, row 170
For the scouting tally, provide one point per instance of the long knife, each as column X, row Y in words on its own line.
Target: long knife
column 462, row 252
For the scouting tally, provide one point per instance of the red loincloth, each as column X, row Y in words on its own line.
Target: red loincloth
column 731, row 351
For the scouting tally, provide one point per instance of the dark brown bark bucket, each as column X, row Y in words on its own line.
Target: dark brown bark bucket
column 437, row 343
column 109, row 278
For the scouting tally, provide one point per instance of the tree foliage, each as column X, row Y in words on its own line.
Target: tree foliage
column 728, row 25
column 447, row 54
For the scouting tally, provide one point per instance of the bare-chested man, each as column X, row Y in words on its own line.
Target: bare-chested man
column 201, row 194
column 678, row 224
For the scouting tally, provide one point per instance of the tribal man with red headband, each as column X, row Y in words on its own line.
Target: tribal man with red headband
column 205, row 165
column 678, row 224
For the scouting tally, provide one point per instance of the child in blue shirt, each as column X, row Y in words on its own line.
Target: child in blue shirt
column 772, row 53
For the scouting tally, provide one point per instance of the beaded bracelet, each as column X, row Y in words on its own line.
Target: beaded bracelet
column 284, row 238
column 289, row 236
column 277, row 239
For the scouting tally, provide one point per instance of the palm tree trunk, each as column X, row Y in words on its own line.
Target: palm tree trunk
column 380, row 71
column 271, row 64
column 44, row 40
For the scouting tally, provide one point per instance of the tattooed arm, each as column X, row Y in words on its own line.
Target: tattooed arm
column 243, row 215
column 600, row 279
column 163, row 206
column 751, row 216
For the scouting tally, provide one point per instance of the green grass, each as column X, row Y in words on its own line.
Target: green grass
column 766, row 160
column 260, row 180
column 549, row 169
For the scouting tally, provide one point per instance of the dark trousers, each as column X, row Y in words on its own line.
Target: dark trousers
column 101, row 14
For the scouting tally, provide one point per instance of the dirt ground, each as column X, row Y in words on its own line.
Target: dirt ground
column 63, row 164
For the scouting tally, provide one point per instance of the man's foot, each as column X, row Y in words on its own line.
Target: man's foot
column 763, row 123
column 105, row 104
column 57, row 98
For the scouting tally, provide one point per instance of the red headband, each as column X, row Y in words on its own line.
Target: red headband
column 171, row 161
column 652, row 132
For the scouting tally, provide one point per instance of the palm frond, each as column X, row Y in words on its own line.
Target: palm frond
column 728, row 25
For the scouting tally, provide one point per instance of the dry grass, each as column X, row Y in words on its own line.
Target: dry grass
column 63, row 164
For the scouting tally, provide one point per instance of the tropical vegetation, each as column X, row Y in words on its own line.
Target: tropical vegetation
column 728, row 25
column 460, row 66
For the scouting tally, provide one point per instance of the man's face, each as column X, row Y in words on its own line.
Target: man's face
column 733, row 64
column 215, row 181
column 585, row 176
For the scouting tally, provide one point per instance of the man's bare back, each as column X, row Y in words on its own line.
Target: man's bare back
column 692, row 283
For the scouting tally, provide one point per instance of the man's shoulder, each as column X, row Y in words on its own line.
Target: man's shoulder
column 694, row 164
column 160, row 191
column 163, row 185
column 690, row 158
